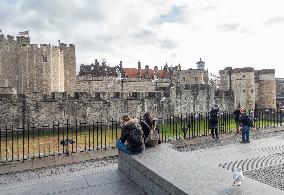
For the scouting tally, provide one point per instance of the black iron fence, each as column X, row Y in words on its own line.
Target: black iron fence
column 36, row 140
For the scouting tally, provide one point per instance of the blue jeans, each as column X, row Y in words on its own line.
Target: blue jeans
column 245, row 133
column 124, row 148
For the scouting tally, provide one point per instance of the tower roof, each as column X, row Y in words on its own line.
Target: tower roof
column 200, row 61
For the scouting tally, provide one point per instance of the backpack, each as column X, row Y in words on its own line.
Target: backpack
column 249, row 121
column 135, row 136
column 153, row 137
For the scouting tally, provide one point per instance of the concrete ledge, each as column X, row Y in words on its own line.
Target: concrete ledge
column 163, row 170
column 147, row 179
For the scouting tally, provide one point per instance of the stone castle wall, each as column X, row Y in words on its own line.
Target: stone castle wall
column 112, row 84
column 101, row 106
column 30, row 68
column 191, row 76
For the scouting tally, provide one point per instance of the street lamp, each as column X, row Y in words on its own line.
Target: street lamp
column 162, row 102
column 155, row 80
column 119, row 78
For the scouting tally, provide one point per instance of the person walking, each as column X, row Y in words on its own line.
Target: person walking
column 246, row 123
column 132, row 134
column 213, row 122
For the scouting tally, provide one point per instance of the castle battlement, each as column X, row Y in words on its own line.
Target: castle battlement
column 100, row 96
column 11, row 39
column 265, row 71
column 22, row 40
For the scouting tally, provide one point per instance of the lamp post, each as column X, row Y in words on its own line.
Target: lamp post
column 162, row 103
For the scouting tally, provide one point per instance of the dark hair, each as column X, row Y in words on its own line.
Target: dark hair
column 125, row 118
column 148, row 118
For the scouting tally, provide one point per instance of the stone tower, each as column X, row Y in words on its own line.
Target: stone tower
column 251, row 88
column 200, row 64
column 266, row 88
column 29, row 68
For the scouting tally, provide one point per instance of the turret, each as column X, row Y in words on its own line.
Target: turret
column 200, row 65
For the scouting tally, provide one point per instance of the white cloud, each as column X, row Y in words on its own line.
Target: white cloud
column 221, row 32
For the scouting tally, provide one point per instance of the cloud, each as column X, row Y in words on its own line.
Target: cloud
column 174, row 15
column 210, row 7
column 274, row 21
column 228, row 27
column 167, row 43
column 152, row 31
column 145, row 36
column 153, row 38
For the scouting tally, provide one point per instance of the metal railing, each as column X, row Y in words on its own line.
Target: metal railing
column 36, row 140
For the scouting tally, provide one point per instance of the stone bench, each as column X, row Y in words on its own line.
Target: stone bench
column 143, row 171
column 163, row 170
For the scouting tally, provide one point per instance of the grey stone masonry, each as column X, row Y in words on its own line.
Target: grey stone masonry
column 148, row 180
column 163, row 170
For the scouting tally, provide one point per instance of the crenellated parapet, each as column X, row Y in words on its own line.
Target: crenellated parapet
column 9, row 39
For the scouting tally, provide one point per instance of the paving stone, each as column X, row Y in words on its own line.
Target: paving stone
column 80, row 157
column 98, row 154
column 63, row 160
column 5, row 168
column 226, row 139
column 118, row 188
column 38, row 163
column 21, row 166
column 53, row 186
column 105, row 177
column 272, row 175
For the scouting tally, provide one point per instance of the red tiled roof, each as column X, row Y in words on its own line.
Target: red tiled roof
column 130, row 72
column 133, row 73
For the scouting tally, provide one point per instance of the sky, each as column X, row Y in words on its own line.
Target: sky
column 222, row 32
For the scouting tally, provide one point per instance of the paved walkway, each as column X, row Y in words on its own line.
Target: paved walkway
column 207, row 169
column 50, row 161
column 97, row 173
column 93, row 177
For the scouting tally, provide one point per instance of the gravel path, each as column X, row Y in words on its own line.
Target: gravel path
column 206, row 142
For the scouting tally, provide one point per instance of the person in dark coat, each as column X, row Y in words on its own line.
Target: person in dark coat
column 131, row 140
column 147, row 123
column 213, row 122
column 246, row 124
column 237, row 114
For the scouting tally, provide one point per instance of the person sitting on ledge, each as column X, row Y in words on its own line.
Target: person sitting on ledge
column 148, row 124
column 132, row 135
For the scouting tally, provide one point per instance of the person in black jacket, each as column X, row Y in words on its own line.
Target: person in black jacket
column 237, row 114
column 147, row 123
column 213, row 122
column 131, row 140
column 246, row 124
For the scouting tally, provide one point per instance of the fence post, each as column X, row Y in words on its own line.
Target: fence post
column 23, row 143
column 0, row 144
